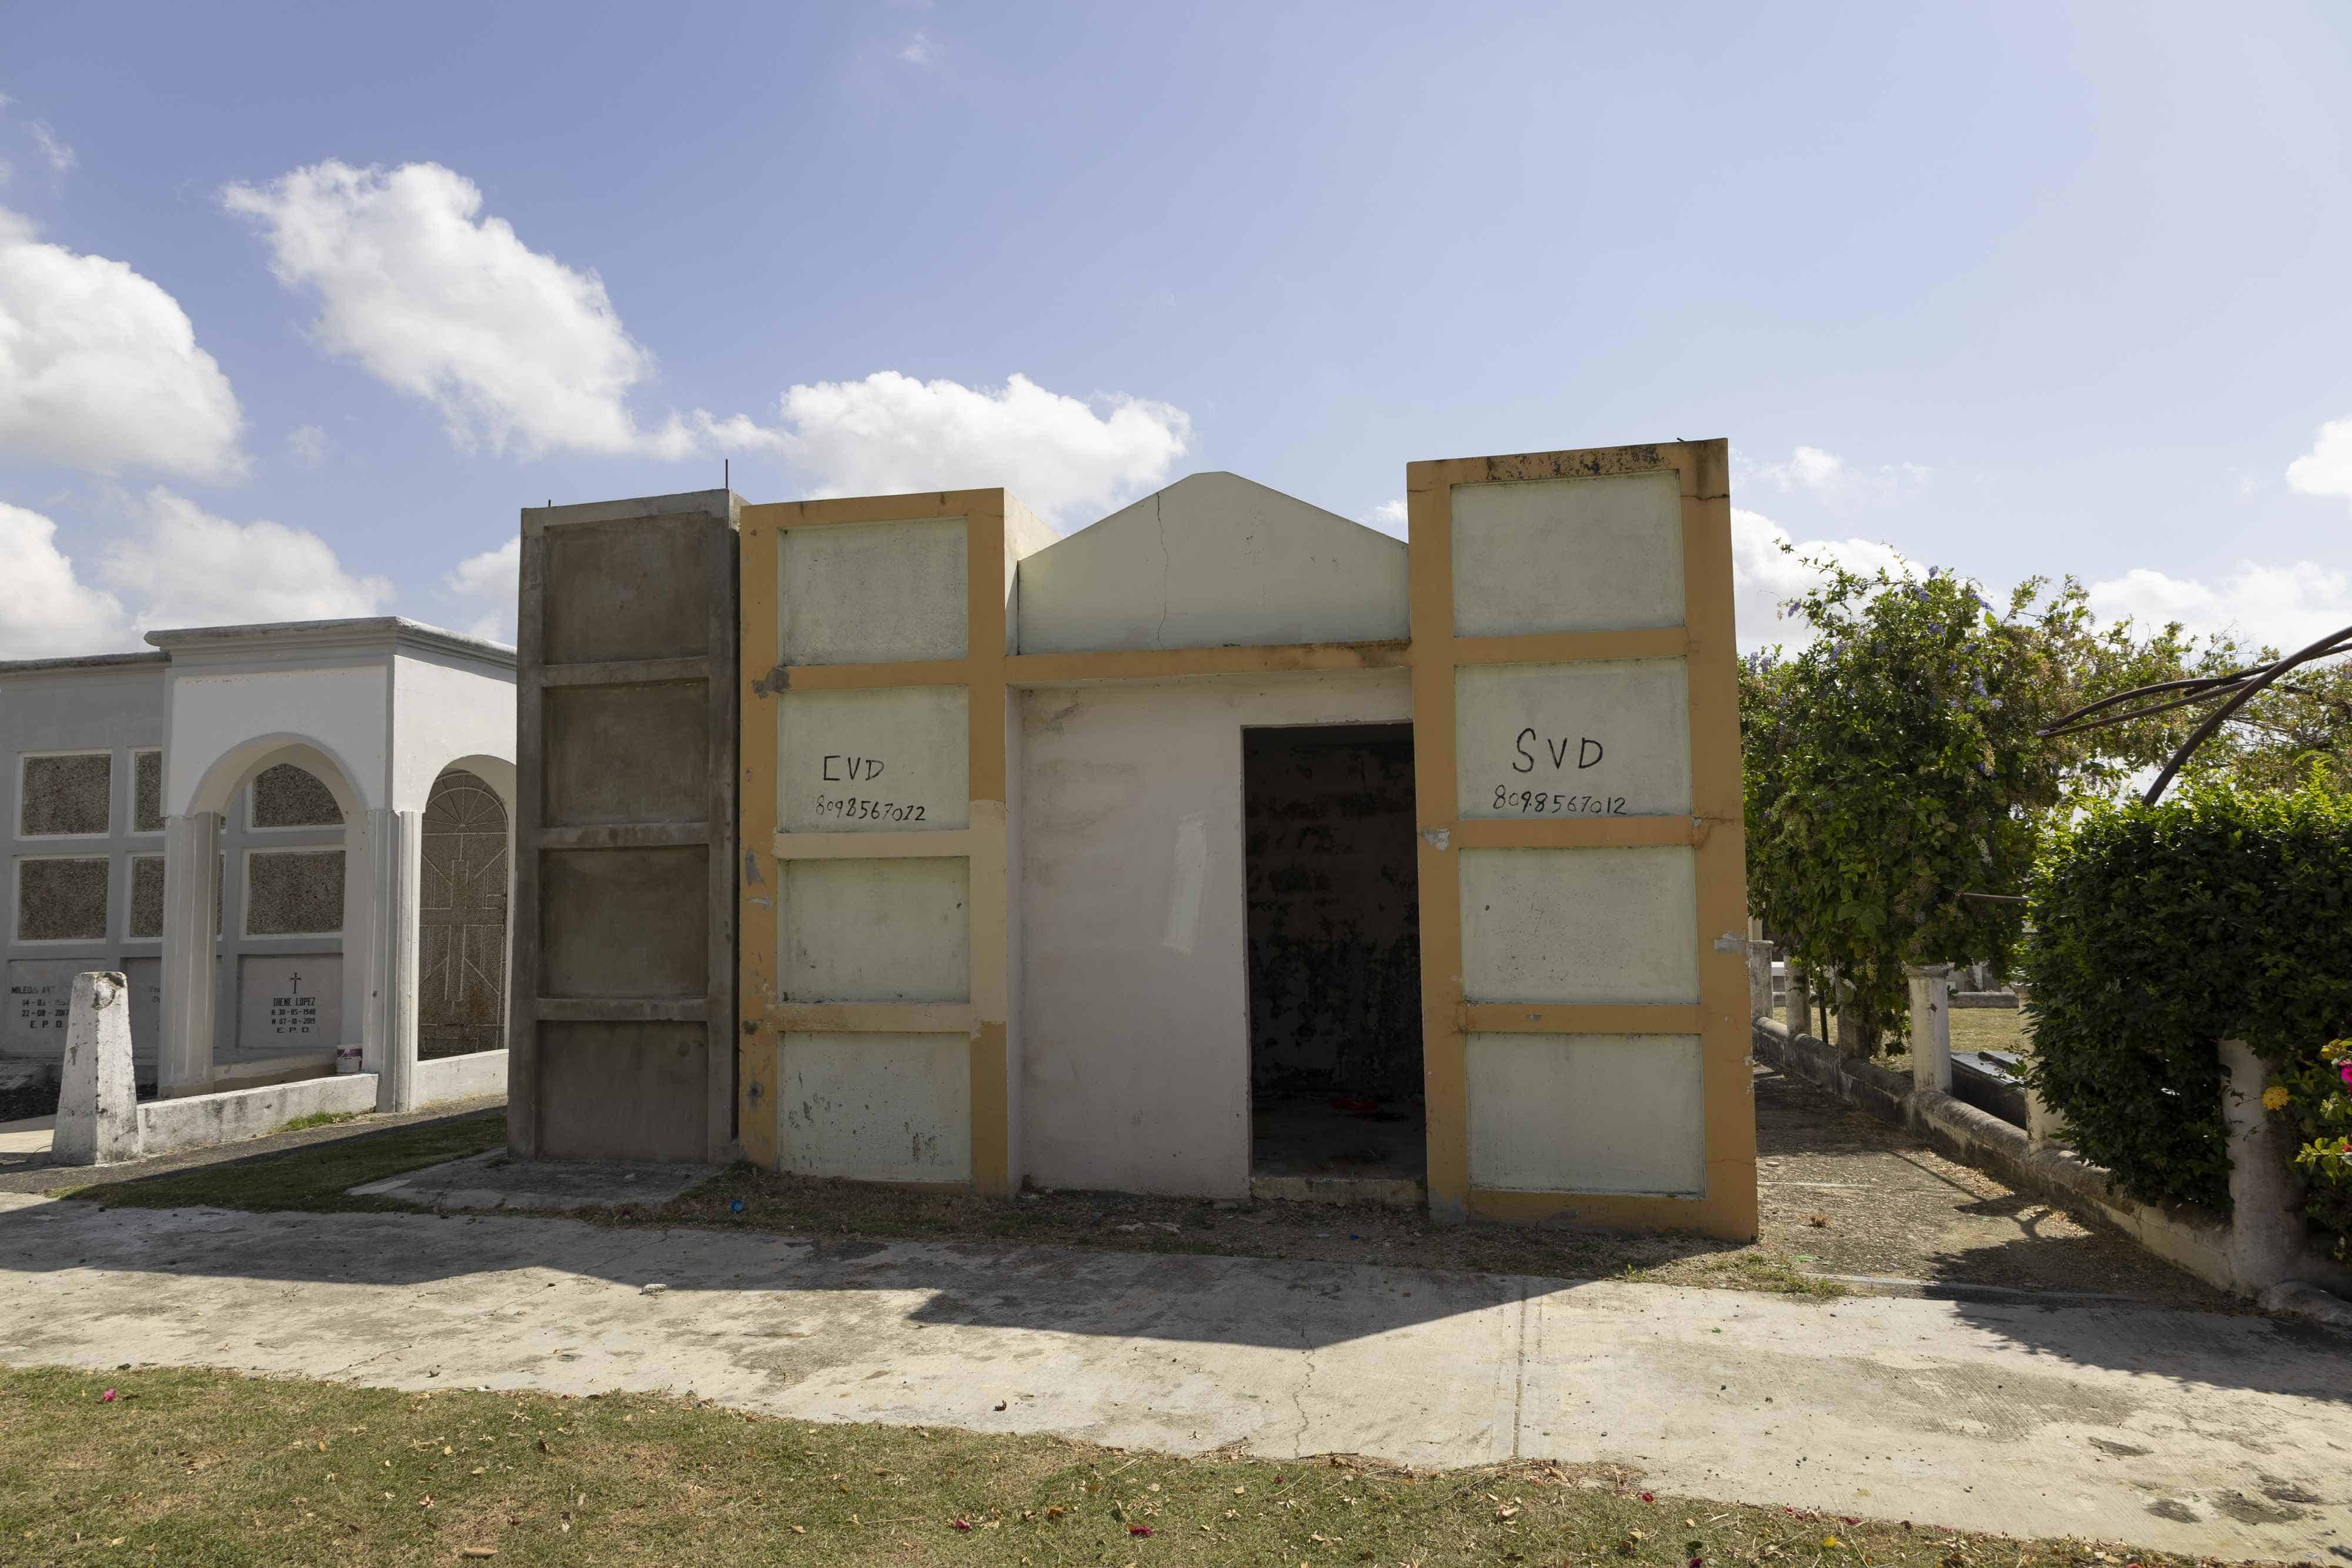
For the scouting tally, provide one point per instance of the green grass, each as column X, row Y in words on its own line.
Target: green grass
column 321, row 1119
column 1991, row 1029
column 312, row 1178
column 1774, row 1274
column 204, row 1468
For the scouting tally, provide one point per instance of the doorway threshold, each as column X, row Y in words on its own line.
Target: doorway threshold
column 1388, row 1192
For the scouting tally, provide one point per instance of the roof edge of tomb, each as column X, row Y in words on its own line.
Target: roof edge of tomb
column 382, row 633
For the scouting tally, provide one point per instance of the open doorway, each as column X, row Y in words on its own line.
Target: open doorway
column 1334, row 959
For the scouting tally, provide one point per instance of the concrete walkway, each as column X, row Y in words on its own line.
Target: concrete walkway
column 30, row 1137
column 2198, row 1432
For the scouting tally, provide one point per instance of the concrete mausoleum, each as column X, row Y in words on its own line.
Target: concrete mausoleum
column 1222, row 846
column 291, row 840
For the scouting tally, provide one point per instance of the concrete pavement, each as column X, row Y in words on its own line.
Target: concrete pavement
column 2195, row 1432
column 30, row 1137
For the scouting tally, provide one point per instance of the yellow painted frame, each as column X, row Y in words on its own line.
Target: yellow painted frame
column 1706, row 640
column 981, row 672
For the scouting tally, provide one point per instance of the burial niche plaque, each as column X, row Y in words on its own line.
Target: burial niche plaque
column 290, row 1002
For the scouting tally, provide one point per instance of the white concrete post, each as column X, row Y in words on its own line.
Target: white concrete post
column 2266, row 1231
column 1801, row 1002
column 1931, row 1026
column 2043, row 1125
column 1759, row 972
column 97, row 1103
column 388, row 1030
column 191, row 953
column 1759, row 960
column 1853, row 1040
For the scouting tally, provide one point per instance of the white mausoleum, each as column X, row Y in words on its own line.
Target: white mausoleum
column 292, row 839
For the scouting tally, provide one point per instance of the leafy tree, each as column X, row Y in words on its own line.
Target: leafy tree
column 1893, row 766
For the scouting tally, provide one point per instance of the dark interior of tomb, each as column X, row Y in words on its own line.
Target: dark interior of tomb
column 1334, row 951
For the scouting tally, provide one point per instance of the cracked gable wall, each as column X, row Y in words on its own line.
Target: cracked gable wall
column 1131, row 879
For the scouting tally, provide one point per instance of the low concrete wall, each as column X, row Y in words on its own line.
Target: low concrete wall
column 1881, row 1091
column 1985, row 999
column 2195, row 1240
column 195, row 1120
column 468, row 1077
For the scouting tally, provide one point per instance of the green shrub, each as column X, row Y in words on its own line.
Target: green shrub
column 2158, row 931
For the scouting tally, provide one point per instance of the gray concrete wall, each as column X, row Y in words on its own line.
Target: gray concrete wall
column 621, row 1000
column 281, row 915
column 1134, row 922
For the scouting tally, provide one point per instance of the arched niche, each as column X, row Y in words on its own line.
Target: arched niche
column 463, row 908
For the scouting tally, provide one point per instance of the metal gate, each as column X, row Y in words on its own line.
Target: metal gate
column 462, row 919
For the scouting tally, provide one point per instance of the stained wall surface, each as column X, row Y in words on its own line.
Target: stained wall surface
column 1134, row 922
column 621, row 996
column 874, row 978
column 1578, row 742
column 1586, row 1113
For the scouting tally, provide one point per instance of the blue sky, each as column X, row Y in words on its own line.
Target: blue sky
column 298, row 308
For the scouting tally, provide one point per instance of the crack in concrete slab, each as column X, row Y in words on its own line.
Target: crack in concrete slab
column 1519, row 1372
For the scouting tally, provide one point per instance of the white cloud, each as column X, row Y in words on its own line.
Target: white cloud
column 488, row 581
column 1827, row 478
column 47, row 613
column 516, row 350
column 1765, row 576
column 309, row 445
column 2327, row 468
column 2285, row 607
column 920, row 50
column 1388, row 517
column 890, row 432
column 188, row 567
column 519, row 352
column 99, row 368
column 1808, row 468
column 60, row 156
